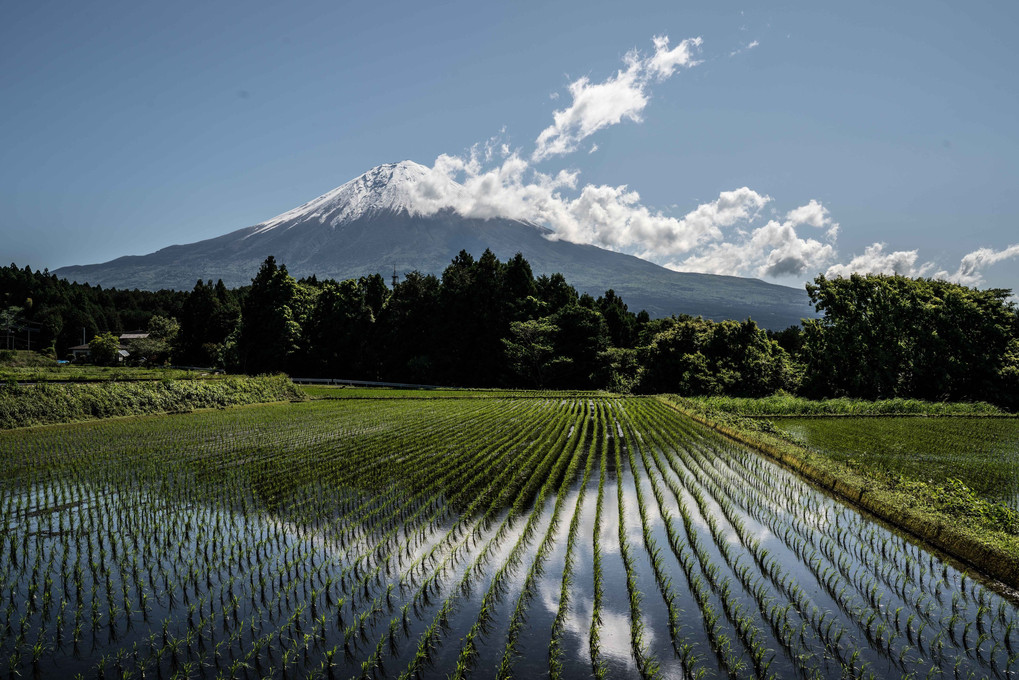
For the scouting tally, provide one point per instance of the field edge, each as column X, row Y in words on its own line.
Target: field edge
column 994, row 553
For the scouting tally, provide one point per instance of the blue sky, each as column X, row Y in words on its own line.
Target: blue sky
column 781, row 141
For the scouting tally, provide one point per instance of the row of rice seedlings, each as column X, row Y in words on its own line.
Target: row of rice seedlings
column 537, row 565
column 833, row 582
column 771, row 608
column 647, row 665
column 113, row 546
column 478, row 460
column 469, row 472
column 683, row 650
column 555, row 649
column 815, row 618
column 811, row 558
column 828, row 632
column 394, row 623
column 703, row 576
column 868, row 590
column 377, row 648
column 598, row 665
column 547, row 475
column 510, row 486
column 496, row 502
column 443, row 476
column 206, row 553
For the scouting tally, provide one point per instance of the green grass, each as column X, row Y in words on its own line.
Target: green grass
column 349, row 392
column 86, row 373
column 46, row 403
column 982, row 453
column 787, row 405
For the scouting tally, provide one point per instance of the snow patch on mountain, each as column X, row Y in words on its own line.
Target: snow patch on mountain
column 394, row 187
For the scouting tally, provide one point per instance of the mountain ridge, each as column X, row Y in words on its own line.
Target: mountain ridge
column 397, row 216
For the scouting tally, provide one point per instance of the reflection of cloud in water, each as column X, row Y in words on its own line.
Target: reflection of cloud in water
column 608, row 537
column 615, row 628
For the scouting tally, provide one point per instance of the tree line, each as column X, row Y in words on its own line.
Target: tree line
column 486, row 323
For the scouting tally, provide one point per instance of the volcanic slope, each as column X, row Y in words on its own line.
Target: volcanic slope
column 375, row 223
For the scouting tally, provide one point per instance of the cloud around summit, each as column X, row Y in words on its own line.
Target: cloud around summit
column 721, row 236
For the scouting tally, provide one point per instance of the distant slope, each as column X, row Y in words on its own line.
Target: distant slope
column 369, row 225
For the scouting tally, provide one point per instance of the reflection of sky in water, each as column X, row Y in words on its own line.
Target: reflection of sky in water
column 782, row 495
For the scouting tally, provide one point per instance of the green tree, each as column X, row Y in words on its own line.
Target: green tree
column 698, row 356
column 621, row 322
column 208, row 315
column 8, row 321
column 530, row 350
column 271, row 315
column 159, row 346
column 104, row 349
column 338, row 332
column 580, row 342
column 407, row 330
column 893, row 336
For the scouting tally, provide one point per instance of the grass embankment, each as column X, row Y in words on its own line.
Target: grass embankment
column 787, row 405
column 348, row 392
column 24, row 405
column 948, row 515
column 25, row 366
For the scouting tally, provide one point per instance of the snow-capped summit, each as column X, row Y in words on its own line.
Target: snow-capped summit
column 408, row 217
column 395, row 187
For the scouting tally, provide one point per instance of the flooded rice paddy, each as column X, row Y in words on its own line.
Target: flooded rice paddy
column 564, row 537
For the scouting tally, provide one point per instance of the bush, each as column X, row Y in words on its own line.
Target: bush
column 22, row 405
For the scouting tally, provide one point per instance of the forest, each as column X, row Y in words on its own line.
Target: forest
column 488, row 323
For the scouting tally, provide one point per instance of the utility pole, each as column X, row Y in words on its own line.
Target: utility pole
column 395, row 278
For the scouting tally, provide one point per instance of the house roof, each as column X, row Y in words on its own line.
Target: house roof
column 134, row 336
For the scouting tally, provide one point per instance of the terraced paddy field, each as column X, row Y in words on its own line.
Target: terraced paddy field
column 560, row 535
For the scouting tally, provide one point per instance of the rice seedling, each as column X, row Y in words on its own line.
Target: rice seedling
column 358, row 536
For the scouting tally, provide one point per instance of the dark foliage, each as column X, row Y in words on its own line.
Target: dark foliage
column 892, row 336
column 489, row 323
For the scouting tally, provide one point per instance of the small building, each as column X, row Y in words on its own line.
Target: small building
column 82, row 353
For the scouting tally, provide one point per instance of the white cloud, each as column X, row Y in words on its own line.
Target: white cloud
column 609, row 216
column 906, row 263
column 718, row 237
column 664, row 62
column 970, row 272
column 621, row 97
column 613, row 217
column 774, row 250
column 876, row 261
column 745, row 48
column 813, row 214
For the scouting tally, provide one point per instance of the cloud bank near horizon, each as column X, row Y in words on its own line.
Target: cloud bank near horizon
column 722, row 236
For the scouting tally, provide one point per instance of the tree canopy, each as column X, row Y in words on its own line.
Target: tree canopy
column 487, row 323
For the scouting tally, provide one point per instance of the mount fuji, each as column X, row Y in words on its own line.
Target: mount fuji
column 400, row 216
